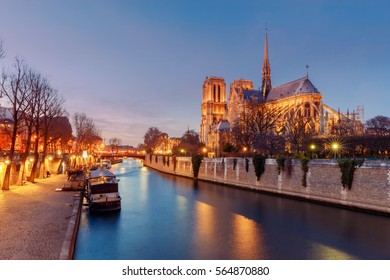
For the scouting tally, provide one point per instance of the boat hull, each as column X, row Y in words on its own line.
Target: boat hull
column 105, row 206
column 103, row 197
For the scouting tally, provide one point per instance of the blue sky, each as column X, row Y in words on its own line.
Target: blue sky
column 131, row 65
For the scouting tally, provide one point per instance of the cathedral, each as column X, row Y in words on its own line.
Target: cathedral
column 295, row 101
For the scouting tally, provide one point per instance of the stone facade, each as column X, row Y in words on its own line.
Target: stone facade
column 370, row 190
column 295, row 100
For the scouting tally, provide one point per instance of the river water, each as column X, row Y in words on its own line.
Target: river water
column 168, row 217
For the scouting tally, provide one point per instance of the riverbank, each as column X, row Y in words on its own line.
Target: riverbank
column 38, row 222
column 320, row 183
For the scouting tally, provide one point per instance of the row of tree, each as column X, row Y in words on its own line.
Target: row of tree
column 156, row 141
column 257, row 130
column 35, row 119
column 34, row 105
column 273, row 130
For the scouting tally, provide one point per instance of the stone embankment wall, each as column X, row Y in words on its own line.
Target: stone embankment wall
column 51, row 166
column 370, row 189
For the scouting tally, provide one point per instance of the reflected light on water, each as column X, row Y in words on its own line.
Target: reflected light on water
column 204, row 237
column 243, row 241
column 248, row 241
column 181, row 205
column 325, row 252
column 168, row 217
column 143, row 188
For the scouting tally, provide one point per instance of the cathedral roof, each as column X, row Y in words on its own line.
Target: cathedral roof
column 300, row 86
column 249, row 94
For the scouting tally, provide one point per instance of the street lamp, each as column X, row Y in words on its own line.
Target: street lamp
column 312, row 149
column 204, row 151
column 335, row 148
column 244, row 150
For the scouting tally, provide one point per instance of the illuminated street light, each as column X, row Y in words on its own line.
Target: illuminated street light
column 312, row 149
column 335, row 148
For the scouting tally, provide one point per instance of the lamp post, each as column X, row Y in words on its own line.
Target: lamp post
column 204, row 150
column 312, row 149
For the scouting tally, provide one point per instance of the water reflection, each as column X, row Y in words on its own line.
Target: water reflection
column 324, row 252
column 247, row 239
column 168, row 217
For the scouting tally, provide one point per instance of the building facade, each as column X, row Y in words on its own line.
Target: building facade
column 294, row 101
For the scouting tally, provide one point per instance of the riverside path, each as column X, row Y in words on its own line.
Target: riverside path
column 37, row 222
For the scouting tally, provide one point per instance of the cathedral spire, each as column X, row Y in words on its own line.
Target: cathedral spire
column 266, row 76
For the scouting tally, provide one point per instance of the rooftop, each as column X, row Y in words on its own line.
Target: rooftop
column 302, row 85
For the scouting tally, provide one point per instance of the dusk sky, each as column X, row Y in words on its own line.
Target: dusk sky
column 135, row 64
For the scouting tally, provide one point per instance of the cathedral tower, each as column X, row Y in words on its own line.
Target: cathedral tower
column 213, row 107
column 266, row 76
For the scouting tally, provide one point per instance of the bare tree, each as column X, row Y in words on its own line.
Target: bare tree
column 2, row 50
column 255, row 123
column 342, row 127
column 60, row 134
column 28, row 129
column 379, row 125
column 40, row 88
column 151, row 138
column 52, row 109
column 115, row 142
column 14, row 89
column 162, row 144
column 299, row 130
column 86, row 132
column 190, row 142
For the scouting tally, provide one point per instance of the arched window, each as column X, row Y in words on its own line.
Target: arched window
column 219, row 93
column 307, row 110
column 214, row 92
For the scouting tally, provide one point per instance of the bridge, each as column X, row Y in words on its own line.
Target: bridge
column 121, row 155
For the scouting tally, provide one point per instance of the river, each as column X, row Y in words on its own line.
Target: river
column 164, row 217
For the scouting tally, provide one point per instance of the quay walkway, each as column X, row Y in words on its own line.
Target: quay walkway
column 37, row 222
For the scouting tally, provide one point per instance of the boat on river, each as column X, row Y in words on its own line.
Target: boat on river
column 106, row 164
column 102, row 191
